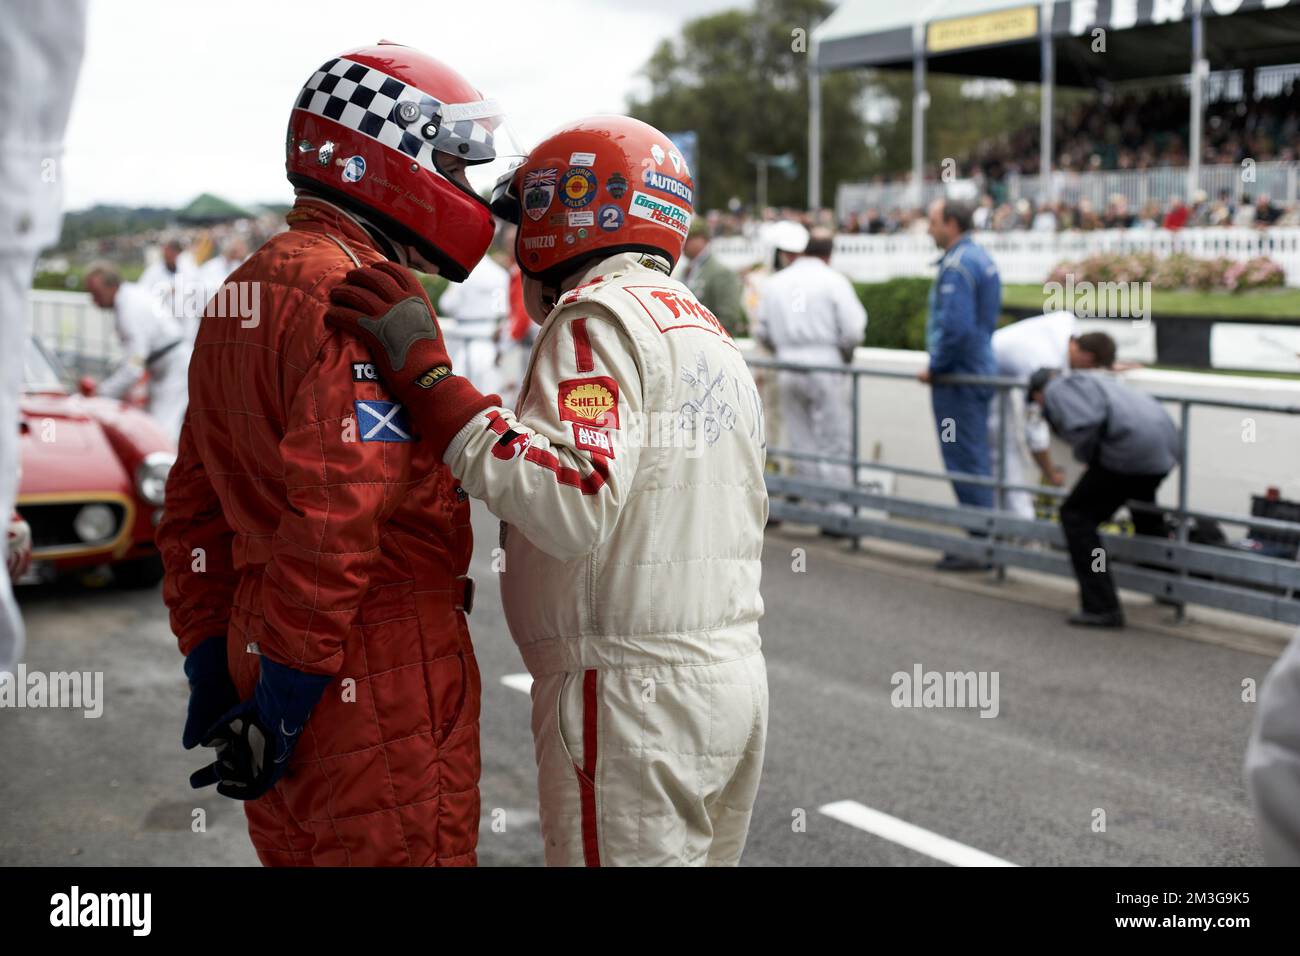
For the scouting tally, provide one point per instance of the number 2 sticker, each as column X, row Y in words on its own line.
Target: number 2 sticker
column 611, row 217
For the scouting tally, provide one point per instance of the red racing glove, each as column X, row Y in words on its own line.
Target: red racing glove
column 385, row 306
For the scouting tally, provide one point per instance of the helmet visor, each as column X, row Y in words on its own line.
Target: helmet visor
column 474, row 143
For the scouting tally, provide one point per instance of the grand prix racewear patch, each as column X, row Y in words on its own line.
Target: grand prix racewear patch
column 589, row 401
column 381, row 421
column 661, row 211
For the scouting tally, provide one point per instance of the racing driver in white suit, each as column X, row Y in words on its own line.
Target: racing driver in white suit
column 631, row 486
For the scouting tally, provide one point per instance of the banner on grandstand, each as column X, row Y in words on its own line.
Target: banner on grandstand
column 984, row 29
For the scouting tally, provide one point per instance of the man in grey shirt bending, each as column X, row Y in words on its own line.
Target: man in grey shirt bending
column 1129, row 443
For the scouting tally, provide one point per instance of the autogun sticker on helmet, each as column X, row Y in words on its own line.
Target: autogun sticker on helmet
column 578, row 187
column 610, row 217
column 616, row 185
column 354, row 167
column 664, row 183
column 539, row 190
column 645, row 206
column 590, row 401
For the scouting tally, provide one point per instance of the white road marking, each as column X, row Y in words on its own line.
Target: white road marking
column 520, row 682
column 908, row 835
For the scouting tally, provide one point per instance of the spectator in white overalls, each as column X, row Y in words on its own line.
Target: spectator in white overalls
column 153, row 341
column 41, row 42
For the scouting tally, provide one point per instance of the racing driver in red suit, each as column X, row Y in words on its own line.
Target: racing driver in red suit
column 316, row 556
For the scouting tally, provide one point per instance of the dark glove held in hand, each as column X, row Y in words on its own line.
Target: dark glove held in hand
column 255, row 739
column 212, row 692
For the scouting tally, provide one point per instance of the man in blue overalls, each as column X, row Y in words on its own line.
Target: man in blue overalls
column 963, row 312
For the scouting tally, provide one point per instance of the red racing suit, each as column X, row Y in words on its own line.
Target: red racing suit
column 304, row 523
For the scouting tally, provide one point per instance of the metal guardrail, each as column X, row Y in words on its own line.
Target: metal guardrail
column 84, row 337
column 1176, row 570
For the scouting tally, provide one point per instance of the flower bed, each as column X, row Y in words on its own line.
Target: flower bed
column 1176, row 271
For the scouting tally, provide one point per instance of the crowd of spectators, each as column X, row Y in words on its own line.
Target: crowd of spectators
column 1115, row 131
column 1027, row 215
column 1145, row 129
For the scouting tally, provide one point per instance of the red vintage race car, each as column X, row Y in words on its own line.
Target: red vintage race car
column 93, row 474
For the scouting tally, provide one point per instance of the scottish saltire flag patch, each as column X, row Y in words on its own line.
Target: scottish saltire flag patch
column 382, row 421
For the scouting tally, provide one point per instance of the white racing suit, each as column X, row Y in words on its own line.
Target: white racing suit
column 153, row 341
column 631, row 488
column 40, row 55
column 1273, row 760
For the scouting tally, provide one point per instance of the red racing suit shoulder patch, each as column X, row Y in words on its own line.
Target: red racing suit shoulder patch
column 589, row 401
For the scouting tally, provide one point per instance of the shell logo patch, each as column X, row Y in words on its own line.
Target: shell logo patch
column 589, row 401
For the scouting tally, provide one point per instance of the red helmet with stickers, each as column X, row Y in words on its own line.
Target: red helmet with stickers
column 387, row 131
column 595, row 187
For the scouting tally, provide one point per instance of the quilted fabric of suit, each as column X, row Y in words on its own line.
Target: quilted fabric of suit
column 306, row 522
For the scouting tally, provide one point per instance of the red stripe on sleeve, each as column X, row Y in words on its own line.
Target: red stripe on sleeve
column 571, row 476
column 582, row 346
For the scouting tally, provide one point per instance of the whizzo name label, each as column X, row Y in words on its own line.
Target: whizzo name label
column 645, row 206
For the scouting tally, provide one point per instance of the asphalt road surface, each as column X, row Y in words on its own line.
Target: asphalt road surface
column 1107, row 748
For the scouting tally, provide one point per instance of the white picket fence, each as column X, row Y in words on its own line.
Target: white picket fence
column 1028, row 257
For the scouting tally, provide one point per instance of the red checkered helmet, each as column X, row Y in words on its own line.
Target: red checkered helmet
column 377, row 130
column 593, row 188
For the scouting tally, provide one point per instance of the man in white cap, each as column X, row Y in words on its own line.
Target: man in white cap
column 810, row 314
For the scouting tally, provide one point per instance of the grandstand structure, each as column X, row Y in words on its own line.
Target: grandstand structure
column 1219, row 51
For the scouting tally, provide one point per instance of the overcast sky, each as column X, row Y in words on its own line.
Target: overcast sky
column 179, row 98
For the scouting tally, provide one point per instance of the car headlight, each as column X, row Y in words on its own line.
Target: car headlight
column 94, row 523
column 151, row 476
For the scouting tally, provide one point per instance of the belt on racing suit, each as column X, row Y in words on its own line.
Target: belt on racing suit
column 157, row 354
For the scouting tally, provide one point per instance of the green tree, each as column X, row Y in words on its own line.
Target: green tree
column 739, row 79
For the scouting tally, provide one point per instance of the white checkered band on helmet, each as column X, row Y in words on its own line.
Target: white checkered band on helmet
column 367, row 100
